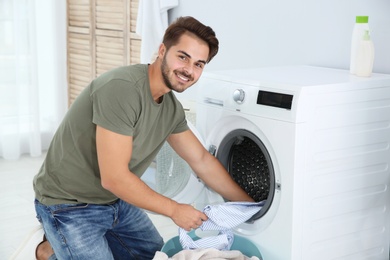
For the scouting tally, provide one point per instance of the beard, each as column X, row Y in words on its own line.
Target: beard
column 165, row 75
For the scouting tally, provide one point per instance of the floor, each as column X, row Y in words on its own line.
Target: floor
column 17, row 216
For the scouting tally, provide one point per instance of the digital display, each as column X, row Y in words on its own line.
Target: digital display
column 274, row 99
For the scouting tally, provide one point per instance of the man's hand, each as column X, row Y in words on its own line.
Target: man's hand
column 187, row 217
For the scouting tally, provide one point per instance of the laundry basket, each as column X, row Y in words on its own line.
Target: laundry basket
column 242, row 244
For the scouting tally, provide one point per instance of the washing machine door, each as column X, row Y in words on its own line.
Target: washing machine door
column 244, row 151
column 248, row 162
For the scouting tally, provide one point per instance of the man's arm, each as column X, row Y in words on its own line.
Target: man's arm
column 114, row 153
column 206, row 166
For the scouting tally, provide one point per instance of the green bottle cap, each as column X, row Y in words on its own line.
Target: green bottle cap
column 361, row 19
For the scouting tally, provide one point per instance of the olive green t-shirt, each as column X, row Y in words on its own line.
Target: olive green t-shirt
column 119, row 100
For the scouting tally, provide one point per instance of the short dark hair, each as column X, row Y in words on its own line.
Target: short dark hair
column 190, row 24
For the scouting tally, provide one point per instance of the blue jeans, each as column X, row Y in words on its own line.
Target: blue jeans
column 90, row 231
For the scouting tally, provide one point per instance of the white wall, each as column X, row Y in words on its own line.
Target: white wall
column 288, row 32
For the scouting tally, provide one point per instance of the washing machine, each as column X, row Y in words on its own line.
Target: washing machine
column 312, row 143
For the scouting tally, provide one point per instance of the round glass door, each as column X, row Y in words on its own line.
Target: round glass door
column 248, row 162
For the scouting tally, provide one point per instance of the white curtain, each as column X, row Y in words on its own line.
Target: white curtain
column 32, row 74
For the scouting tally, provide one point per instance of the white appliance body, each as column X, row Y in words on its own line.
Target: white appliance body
column 326, row 136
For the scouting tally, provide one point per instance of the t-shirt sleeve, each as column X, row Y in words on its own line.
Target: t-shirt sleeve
column 116, row 106
column 181, row 127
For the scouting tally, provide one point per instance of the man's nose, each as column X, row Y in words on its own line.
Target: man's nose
column 189, row 69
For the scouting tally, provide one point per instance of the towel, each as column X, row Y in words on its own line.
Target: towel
column 221, row 217
column 203, row 254
column 152, row 21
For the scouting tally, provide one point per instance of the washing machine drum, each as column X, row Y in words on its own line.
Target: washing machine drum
column 247, row 160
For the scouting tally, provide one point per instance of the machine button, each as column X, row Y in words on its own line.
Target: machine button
column 239, row 96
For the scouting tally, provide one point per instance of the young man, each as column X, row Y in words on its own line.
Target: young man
column 89, row 196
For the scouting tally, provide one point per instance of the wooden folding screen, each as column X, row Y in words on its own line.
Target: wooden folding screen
column 101, row 36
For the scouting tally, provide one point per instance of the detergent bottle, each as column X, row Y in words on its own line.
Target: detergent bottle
column 360, row 26
column 365, row 56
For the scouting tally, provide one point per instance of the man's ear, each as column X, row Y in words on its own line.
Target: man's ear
column 161, row 50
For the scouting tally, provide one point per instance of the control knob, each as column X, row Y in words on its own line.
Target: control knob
column 239, row 96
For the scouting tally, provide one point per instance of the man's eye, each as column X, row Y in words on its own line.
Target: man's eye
column 199, row 65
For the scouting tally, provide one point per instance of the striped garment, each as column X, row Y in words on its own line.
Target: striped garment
column 221, row 217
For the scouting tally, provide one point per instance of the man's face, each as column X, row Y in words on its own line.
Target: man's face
column 183, row 64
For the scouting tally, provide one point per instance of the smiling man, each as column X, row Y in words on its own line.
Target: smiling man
column 89, row 195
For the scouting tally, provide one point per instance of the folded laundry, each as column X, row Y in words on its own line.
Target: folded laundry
column 221, row 217
column 203, row 254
